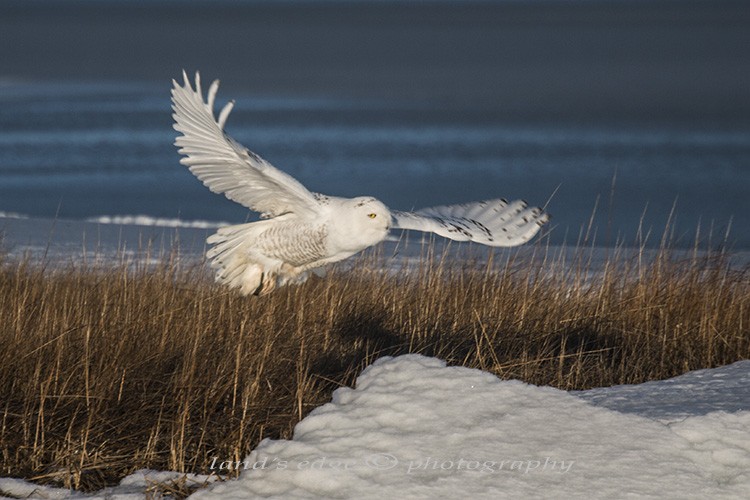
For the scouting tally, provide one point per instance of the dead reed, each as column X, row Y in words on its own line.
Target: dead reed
column 106, row 371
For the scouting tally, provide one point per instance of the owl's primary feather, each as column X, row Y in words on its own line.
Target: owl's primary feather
column 496, row 223
column 304, row 231
column 224, row 165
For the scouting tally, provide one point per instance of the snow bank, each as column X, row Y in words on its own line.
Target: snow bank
column 695, row 393
column 137, row 486
column 414, row 428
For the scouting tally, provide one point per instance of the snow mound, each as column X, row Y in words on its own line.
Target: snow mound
column 140, row 485
column 415, row 428
column 695, row 393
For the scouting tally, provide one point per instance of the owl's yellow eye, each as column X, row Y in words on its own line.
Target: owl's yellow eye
column 372, row 216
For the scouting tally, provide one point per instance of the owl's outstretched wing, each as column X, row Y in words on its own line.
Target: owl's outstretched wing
column 495, row 223
column 224, row 165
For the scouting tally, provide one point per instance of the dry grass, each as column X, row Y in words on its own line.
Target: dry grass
column 103, row 372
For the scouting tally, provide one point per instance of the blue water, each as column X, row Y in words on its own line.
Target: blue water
column 97, row 139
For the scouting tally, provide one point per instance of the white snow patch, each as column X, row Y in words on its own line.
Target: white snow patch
column 147, row 220
column 415, row 428
column 136, row 486
column 12, row 215
column 695, row 393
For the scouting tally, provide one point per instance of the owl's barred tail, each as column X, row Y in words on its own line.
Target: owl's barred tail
column 236, row 264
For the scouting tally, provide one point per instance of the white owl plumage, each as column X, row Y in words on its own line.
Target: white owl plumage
column 300, row 231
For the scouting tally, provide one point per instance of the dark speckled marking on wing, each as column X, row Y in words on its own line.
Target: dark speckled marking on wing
column 453, row 225
column 321, row 198
column 492, row 222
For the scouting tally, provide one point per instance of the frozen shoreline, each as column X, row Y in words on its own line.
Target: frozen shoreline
column 132, row 239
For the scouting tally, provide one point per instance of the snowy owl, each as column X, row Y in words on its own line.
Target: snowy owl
column 300, row 231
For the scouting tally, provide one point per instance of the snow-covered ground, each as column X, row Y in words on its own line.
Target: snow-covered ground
column 416, row 428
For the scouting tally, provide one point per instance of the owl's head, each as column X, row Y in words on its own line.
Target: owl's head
column 369, row 218
column 373, row 213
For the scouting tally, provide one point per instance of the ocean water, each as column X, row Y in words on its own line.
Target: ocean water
column 641, row 110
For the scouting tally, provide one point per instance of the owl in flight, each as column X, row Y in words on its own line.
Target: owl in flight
column 299, row 231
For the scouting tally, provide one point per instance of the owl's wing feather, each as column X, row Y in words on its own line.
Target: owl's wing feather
column 224, row 165
column 496, row 223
